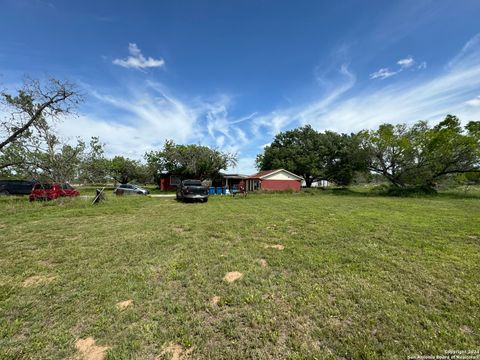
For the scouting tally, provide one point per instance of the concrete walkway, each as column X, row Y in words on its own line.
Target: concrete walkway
column 162, row 195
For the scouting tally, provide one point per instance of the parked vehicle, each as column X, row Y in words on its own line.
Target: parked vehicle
column 16, row 187
column 69, row 190
column 192, row 190
column 46, row 191
column 130, row 189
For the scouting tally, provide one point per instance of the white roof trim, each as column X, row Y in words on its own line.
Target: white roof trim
column 279, row 170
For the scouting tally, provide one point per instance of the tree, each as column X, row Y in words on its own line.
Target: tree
column 343, row 157
column 419, row 155
column 30, row 111
column 196, row 161
column 94, row 166
column 123, row 169
column 314, row 155
column 296, row 150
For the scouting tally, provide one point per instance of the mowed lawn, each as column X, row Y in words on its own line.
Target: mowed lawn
column 359, row 277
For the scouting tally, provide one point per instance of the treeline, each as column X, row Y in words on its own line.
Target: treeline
column 405, row 156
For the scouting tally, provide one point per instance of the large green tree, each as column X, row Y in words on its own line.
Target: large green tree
column 296, row 150
column 314, row 155
column 419, row 155
column 125, row 170
column 195, row 161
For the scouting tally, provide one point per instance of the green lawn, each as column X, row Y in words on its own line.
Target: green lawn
column 359, row 277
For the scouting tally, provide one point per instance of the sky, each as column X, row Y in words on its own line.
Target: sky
column 232, row 74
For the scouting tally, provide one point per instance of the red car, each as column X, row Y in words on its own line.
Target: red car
column 42, row 191
column 69, row 190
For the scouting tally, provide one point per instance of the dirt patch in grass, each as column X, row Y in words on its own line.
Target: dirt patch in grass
column 178, row 229
column 277, row 246
column 465, row 329
column 176, row 351
column 89, row 350
column 232, row 276
column 37, row 280
column 263, row 263
column 215, row 300
column 122, row 305
column 47, row 263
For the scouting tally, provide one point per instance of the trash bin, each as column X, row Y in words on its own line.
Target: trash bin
column 219, row 190
column 211, row 190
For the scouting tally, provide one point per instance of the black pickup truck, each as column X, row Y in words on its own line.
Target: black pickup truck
column 192, row 190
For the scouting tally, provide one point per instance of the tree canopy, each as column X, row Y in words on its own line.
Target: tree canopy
column 314, row 155
column 125, row 170
column 189, row 161
column 419, row 155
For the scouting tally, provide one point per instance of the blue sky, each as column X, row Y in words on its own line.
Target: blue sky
column 231, row 74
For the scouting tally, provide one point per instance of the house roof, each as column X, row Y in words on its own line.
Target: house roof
column 233, row 176
column 261, row 174
column 266, row 173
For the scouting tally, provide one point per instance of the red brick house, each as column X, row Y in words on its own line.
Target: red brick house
column 279, row 179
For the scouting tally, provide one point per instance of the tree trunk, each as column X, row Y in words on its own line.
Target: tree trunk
column 308, row 181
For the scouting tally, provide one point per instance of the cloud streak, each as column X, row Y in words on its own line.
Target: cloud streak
column 136, row 60
column 383, row 73
column 404, row 64
column 452, row 91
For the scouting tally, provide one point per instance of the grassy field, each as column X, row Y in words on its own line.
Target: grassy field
column 359, row 277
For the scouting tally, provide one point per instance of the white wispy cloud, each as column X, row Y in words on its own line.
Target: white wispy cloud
column 406, row 63
column 278, row 120
column 383, row 73
column 474, row 101
column 147, row 114
column 422, row 65
column 468, row 53
column 136, row 60
column 403, row 64
column 453, row 91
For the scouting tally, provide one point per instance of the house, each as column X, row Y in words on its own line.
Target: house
column 279, row 179
column 169, row 181
column 229, row 180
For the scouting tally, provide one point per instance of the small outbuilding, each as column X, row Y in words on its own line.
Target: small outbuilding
column 273, row 180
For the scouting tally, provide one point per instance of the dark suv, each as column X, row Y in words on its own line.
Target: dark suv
column 192, row 190
column 16, row 187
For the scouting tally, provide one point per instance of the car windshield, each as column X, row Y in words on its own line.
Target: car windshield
column 66, row 187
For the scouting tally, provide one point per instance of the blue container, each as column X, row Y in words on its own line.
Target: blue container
column 219, row 190
column 211, row 190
